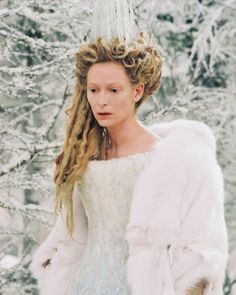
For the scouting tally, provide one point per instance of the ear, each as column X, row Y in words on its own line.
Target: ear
column 138, row 91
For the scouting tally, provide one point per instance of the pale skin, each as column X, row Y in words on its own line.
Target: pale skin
column 109, row 90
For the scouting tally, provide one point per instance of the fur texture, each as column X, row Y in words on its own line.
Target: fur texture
column 176, row 232
column 59, row 277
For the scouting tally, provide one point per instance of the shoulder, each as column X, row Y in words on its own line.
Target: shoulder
column 182, row 166
column 185, row 157
column 186, row 133
column 187, row 147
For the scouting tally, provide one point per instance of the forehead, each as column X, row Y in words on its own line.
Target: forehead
column 107, row 73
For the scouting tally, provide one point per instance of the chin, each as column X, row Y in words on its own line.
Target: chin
column 105, row 123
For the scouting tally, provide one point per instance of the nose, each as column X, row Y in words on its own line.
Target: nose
column 103, row 98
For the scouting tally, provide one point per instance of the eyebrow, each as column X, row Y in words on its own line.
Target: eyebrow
column 112, row 83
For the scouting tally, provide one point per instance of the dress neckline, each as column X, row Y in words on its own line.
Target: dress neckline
column 122, row 158
column 159, row 138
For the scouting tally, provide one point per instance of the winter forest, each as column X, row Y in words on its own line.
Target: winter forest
column 39, row 39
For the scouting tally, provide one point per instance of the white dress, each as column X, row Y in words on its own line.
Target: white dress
column 106, row 193
column 164, row 219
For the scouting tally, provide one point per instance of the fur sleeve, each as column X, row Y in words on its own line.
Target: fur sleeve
column 61, row 254
column 177, row 234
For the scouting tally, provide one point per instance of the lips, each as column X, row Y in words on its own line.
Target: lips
column 104, row 113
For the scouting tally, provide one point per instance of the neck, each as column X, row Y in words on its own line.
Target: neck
column 124, row 134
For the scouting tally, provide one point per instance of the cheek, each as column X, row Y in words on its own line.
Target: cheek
column 91, row 104
column 90, row 100
column 119, row 105
column 125, row 103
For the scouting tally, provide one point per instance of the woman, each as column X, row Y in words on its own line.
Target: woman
column 142, row 207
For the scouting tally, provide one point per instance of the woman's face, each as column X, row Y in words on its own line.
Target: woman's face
column 110, row 91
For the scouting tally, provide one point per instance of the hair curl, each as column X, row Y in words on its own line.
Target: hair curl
column 85, row 138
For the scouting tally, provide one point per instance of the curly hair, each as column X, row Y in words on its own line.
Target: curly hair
column 85, row 139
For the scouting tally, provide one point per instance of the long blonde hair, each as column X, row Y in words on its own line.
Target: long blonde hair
column 85, row 138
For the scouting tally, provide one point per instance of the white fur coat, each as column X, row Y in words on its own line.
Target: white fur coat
column 176, row 232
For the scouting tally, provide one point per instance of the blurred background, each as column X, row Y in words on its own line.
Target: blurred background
column 38, row 41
